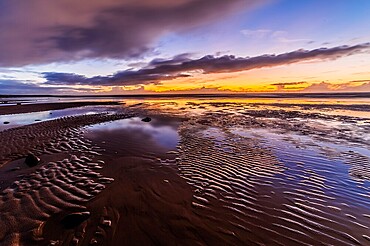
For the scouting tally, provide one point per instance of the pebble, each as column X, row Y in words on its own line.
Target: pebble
column 146, row 119
column 32, row 160
column 74, row 219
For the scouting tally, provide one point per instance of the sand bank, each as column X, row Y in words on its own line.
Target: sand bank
column 65, row 177
column 27, row 108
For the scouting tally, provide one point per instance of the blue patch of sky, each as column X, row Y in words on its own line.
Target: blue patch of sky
column 304, row 24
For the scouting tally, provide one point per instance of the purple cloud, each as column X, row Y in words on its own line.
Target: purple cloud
column 160, row 70
column 43, row 31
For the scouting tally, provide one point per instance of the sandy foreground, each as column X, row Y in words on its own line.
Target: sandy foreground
column 227, row 176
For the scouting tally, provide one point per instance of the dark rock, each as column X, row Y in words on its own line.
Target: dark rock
column 6, row 122
column 19, row 104
column 146, row 119
column 74, row 219
column 32, row 160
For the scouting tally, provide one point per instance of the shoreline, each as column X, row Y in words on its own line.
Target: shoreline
column 227, row 95
column 29, row 108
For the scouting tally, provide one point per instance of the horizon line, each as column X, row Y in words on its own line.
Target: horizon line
column 249, row 94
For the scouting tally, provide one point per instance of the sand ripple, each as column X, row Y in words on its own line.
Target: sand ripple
column 269, row 189
column 55, row 186
column 48, row 137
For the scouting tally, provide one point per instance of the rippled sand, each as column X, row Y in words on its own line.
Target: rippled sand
column 200, row 172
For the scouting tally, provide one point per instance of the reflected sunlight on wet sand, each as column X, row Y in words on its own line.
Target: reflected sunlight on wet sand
column 217, row 171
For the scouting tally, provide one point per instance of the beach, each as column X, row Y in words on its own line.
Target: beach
column 188, row 171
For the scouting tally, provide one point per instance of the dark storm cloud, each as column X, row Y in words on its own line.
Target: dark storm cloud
column 178, row 59
column 65, row 78
column 43, row 31
column 160, row 70
column 211, row 64
column 121, row 78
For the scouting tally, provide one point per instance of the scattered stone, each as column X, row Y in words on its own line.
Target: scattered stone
column 37, row 120
column 6, row 122
column 75, row 241
column 106, row 223
column 74, row 219
column 52, row 242
column 147, row 119
column 93, row 242
column 99, row 233
column 32, row 160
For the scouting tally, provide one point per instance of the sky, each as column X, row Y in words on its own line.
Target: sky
column 94, row 47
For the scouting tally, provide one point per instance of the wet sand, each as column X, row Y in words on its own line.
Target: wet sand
column 27, row 108
column 195, row 174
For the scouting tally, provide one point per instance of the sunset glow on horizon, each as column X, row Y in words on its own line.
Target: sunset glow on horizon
column 190, row 47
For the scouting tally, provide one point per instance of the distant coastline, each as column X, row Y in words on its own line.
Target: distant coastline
column 236, row 95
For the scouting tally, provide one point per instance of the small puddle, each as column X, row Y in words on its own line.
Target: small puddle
column 16, row 120
column 134, row 137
